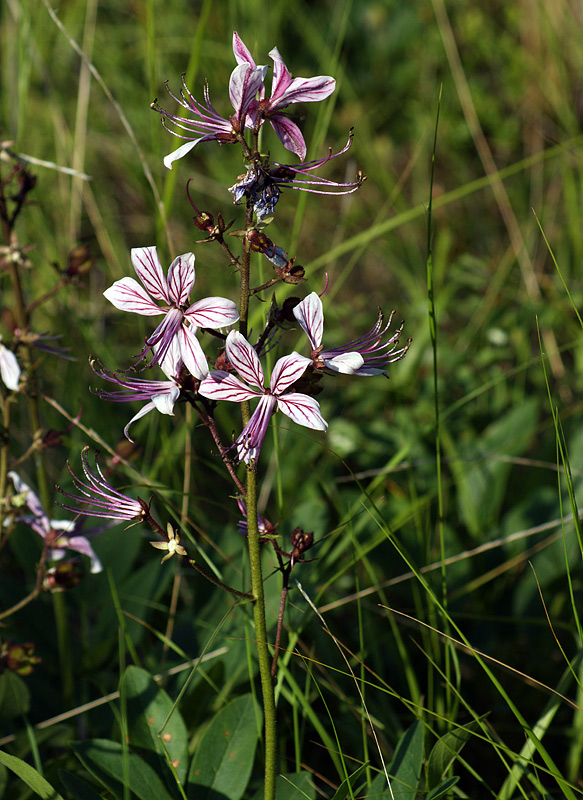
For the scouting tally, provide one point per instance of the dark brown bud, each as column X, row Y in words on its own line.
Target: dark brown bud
column 65, row 575
column 287, row 310
column 204, row 222
column 282, row 174
column 301, row 541
column 295, row 274
column 259, row 242
column 80, row 261
column 52, row 438
column 26, row 183
column 19, row 658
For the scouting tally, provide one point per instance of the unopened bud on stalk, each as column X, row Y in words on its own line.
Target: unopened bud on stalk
column 63, row 576
column 300, row 541
column 19, row 658
column 80, row 261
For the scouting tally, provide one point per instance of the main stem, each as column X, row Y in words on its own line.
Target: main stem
column 253, row 544
column 261, row 636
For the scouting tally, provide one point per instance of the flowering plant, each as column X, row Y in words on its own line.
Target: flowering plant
column 232, row 364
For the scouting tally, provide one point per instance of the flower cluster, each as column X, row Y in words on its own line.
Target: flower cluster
column 233, row 372
column 58, row 535
column 181, row 320
column 245, row 84
column 221, row 385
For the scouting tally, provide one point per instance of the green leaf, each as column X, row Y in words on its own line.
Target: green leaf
column 291, row 786
column 107, row 762
column 443, row 788
column 223, row 760
column 3, row 779
column 76, row 786
column 30, row 776
column 445, row 751
column 404, row 770
column 378, row 789
column 148, row 707
column 343, row 790
column 481, row 478
column 14, row 696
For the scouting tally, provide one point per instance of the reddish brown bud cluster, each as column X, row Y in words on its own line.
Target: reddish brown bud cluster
column 300, row 541
column 19, row 658
column 65, row 575
column 80, row 261
column 26, row 182
column 259, row 242
column 205, row 222
column 291, row 273
column 285, row 314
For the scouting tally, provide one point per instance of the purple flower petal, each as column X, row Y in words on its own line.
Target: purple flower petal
column 81, row 545
column 285, row 90
column 32, row 501
column 289, row 135
column 310, row 315
column 281, row 77
column 162, row 338
column 181, row 278
column 192, row 353
column 241, row 52
column 212, row 312
column 244, row 358
column 141, row 413
column 183, row 150
column 165, row 401
column 171, row 364
column 251, row 438
column 149, row 271
column 244, row 84
column 286, row 371
column 127, row 295
column 221, row 385
column 303, row 410
column 40, row 523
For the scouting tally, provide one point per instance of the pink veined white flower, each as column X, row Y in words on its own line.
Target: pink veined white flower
column 181, row 320
column 159, row 395
column 97, row 498
column 364, row 356
column 207, row 125
column 222, row 385
column 285, row 90
column 9, row 369
column 62, row 535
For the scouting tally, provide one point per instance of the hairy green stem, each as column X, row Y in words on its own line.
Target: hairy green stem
column 253, row 543
column 261, row 636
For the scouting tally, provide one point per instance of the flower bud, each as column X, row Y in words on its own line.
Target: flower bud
column 65, row 575
column 300, row 541
column 294, row 273
column 79, row 261
column 19, row 658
